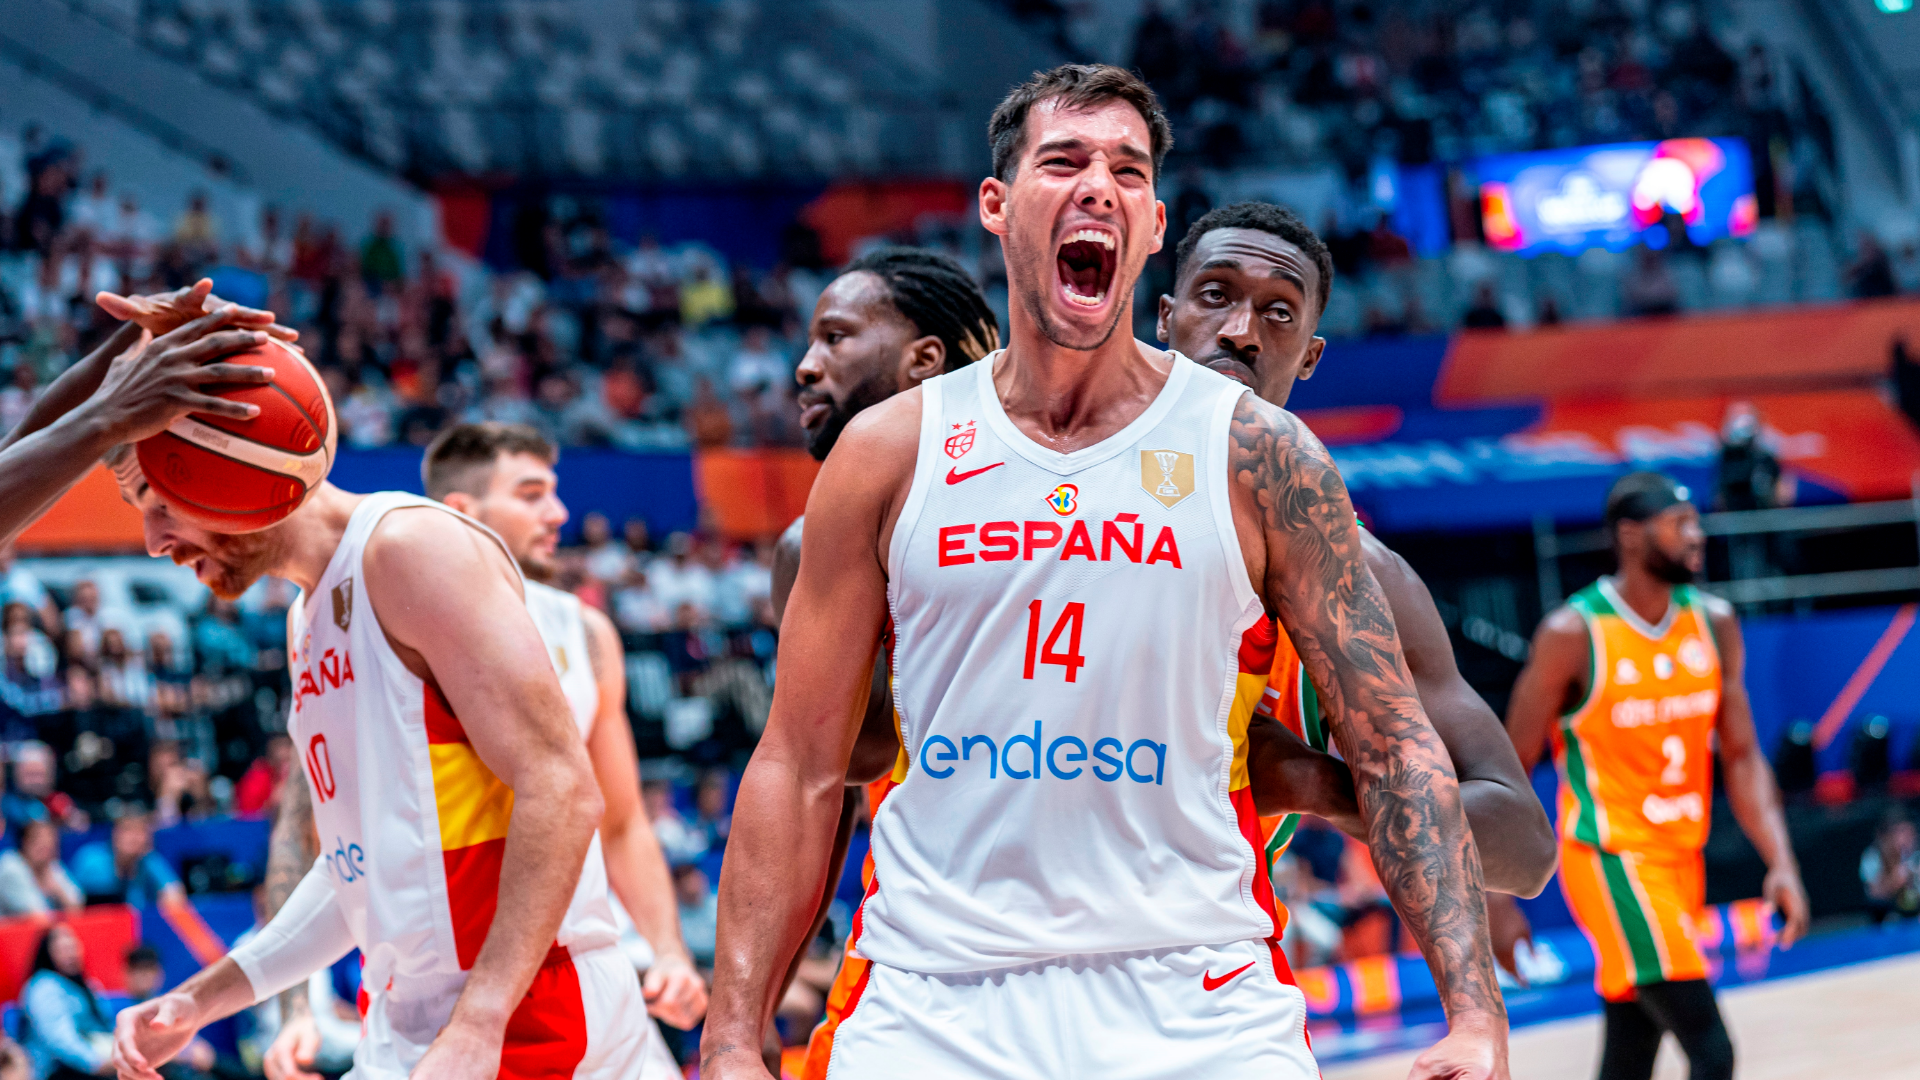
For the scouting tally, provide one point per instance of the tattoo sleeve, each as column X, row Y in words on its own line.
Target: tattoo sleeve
column 290, row 854
column 1318, row 584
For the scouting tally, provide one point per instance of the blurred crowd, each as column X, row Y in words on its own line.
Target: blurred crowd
column 641, row 347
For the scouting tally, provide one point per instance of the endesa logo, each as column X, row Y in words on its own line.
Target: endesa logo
column 1144, row 762
column 1003, row 541
column 346, row 861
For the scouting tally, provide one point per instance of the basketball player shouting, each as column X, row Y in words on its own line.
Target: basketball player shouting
column 1634, row 677
column 1069, row 881
column 449, row 783
column 1250, row 284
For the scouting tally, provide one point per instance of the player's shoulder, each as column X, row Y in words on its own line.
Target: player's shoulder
column 1260, row 429
column 877, row 449
column 1716, row 608
column 1564, row 623
column 597, row 622
column 432, row 538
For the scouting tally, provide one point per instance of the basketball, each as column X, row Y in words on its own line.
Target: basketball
column 237, row 476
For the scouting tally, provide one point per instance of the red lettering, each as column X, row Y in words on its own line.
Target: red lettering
column 1041, row 534
column 308, row 688
column 1109, row 535
column 1079, row 542
column 329, row 666
column 347, row 675
column 320, row 768
column 999, row 541
column 952, row 541
column 1164, row 549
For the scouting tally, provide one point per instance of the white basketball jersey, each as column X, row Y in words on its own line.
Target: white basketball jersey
column 564, row 629
column 412, row 823
column 1066, row 629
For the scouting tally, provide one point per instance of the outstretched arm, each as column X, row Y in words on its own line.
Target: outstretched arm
column 450, row 602
column 1314, row 576
column 636, row 869
column 1749, row 778
column 1510, row 827
column 794, row 789
column 290, row 854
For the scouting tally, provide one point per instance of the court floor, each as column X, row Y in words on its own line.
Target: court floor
column 1854, row 1023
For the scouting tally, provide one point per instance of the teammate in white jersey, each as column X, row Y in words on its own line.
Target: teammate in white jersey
column 450, row 782
column 1072, row 539
column 501, row 475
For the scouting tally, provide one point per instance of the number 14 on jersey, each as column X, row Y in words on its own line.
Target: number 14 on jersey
column 1071, row 619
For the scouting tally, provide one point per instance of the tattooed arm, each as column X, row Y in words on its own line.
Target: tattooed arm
column 1306, row 557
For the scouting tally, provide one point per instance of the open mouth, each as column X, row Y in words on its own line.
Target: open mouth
column 1085, row 264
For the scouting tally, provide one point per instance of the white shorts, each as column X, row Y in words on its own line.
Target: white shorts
column 583, row 1017
column 1205, row 1011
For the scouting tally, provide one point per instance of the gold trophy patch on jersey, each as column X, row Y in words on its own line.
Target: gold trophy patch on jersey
column 1167, row 475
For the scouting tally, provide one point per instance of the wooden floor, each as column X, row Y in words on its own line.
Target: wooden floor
column 1854, row 1023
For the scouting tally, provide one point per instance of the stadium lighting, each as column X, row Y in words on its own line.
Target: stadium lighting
column 1893, row 7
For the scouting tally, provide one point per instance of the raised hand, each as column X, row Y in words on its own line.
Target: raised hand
column 163, row 313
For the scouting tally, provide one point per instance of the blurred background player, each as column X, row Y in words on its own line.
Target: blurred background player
column 501, row 475
column 1634, row 678
column 1251, row 281
column 1076, row 151
column 443, row 705
column 889, row 322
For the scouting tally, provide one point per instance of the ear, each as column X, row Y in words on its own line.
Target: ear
column 922, row 359
column 993, row 205
column 1314, row 349
column 461, row 501
column 1159, row 226
column 1163, row 326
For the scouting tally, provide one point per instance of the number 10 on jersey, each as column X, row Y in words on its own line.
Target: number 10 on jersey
column 1071, row 619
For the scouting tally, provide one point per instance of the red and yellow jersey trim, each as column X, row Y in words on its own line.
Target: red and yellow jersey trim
column 474, row 807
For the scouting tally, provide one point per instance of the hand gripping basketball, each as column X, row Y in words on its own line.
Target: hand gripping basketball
column 159, row 379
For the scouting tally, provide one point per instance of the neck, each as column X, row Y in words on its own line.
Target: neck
column 1648, row 596
column 1071, row 398
column 312, row 534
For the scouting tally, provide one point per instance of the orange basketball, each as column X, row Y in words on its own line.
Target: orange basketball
column 237, row 476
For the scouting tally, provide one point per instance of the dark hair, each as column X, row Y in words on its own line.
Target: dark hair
column 936, row 295
column 43, row 961
column 143, row 955
column 461, row 457
column 1268, row 218
column 1638, row 496
column 1078, row 86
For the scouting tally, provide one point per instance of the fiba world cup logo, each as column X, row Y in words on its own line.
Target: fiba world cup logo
column 1167, row 459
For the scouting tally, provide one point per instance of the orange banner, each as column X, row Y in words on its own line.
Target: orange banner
column 748, row 494
column 90, row 518
column 1741, row 353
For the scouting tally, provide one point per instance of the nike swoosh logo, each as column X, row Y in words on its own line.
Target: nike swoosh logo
column 1208, row 982
column 954, row 475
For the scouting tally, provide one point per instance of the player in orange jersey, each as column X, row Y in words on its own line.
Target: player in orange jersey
column 1633, row 677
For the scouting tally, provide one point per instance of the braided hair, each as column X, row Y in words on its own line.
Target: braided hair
column 935, row 294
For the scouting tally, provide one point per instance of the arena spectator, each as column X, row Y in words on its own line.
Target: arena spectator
column 680, row 841
column 1485, row 313
column 605, row 558
column 40, row 655
column 699, row 912
column 126, row 869
column 637, row 607
column 38, row 857
column 258, row 791
column 381, row 263
column 714, row 818
column 19, row 396
column 218, row 640
column 756, row 367
column 33, row 796
column 65, row 1028
column 123, row 678
column 1890, row 869
column 178, row 784
column 18, row 585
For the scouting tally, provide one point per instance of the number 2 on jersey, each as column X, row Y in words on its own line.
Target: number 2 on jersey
column 1069, row 622
column 1674, row 749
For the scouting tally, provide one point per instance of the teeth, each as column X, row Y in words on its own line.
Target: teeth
column 1094, row 235
column 1084, row 300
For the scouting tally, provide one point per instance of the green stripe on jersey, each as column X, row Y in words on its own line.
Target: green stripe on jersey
column 1633, row 921
column 1586, row 819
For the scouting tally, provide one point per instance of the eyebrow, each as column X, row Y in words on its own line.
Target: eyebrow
column 1234, row 264
column 1127, row 150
